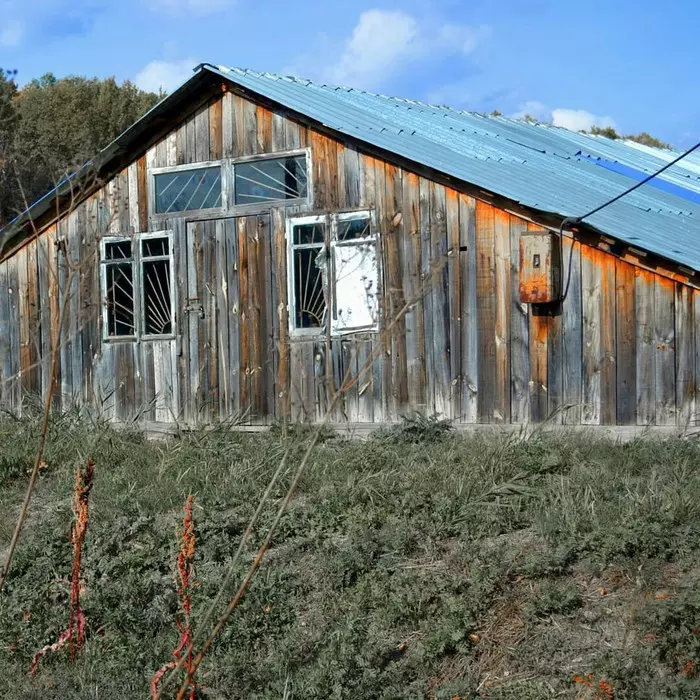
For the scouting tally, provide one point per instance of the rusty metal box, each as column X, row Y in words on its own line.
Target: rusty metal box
column 540, row 267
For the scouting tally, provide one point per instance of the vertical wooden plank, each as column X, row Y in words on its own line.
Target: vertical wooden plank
column 171, row 149
column 211, row 270
column 5, row 342
column 381, row 380
column 395, row 375
column 190, row 154
column 63, row 298
column 222, row 316
column 281, row 326
column 592, row 286
column 264, row 129
column 470, row 321
column 216, row 146
column 201, row 134
column 645, row 302
column 412, row 291
column 572, row 313
column 194, row 252
column 245, row 320
column 43, row 252
column 519, row 332
column 142, row 184
column 486, row 310
column 428, row 274
column 23, row 319
column 341, row 187
column 608, row 381
column 234, row 313
column 181, row 144
column 440, row 305
column 626, row 343
column 685, row 356
column 267, row 303
column 454, row 290
column 292, row 134
column 246, row 127
column 502, row 317
column 665, row 379
column 227, row 126
column 278, row 129
column 351, row 162
column 133, row 179
column 324, row 171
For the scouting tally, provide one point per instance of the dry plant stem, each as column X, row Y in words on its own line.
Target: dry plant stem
column 39, row 452
column 285, row 503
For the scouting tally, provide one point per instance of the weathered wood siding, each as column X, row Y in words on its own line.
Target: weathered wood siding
column 621, row 348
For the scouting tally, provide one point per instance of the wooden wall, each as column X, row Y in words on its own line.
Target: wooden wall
column 621, row 349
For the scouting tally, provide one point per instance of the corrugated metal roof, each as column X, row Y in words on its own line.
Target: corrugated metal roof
column 540, row 166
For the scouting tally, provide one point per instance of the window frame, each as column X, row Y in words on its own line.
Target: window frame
column 137, row 273
column 330, row 221
column 228, row 184
column 202, row 165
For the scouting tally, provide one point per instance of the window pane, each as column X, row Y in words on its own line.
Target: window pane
column 308, row 233
column 354, row 228
column 117, row 250
column 150, row 247
column 356, row 287
column 270, row 179
column 309, row 301
column 185, row 190
column 156, row 297
column 119, row 299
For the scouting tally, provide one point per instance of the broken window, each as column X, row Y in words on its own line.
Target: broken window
column 188, row 189
column 308, row 264
column 137, row 284
column 119, row 289
column 155, row 283
column 269, row 179
column 333, row 263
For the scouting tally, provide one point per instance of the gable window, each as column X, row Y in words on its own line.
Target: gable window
column 136, row 276
column 333, row 274
column 187, row 189
column 263, row 180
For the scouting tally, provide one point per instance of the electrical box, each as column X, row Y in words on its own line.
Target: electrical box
column 540, row 267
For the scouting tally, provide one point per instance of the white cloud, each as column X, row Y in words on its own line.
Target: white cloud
column 380, row 42
column 535, row 109
column 383, row 42
column 572, row 119
column 200, row 7
column 579, row 119
column 164, row 74
column 11, row 34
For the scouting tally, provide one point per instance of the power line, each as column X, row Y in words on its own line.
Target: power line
column 574, row 220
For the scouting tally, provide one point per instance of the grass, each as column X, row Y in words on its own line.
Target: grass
column 419, row 563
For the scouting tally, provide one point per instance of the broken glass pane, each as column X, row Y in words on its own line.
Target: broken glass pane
column 270, row 179
column 156, row 297
column 354, row 228
column 120, row 299
column 356, row 287
column 308, row 233
column 309, row 299
column 185, row 190
column 117, row 250
column 152, row 247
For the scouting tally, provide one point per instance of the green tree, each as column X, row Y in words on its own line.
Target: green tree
column 59, row 124
column 8, row 129
column 606, row 131
column 647, row 139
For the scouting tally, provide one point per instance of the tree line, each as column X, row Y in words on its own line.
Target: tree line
column 50, row 127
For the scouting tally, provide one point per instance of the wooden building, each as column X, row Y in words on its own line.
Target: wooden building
column 259, row 248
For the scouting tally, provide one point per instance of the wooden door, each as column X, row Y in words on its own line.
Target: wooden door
column 228, row 330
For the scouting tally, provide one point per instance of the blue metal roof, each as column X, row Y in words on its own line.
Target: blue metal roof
column 540, row 166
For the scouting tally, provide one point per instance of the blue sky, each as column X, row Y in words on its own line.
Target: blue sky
column 630, row 64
